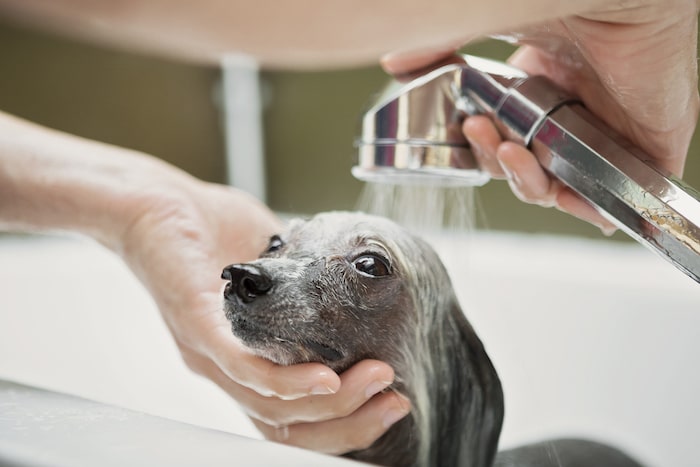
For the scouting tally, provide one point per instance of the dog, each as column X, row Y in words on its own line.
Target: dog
column 343, row 287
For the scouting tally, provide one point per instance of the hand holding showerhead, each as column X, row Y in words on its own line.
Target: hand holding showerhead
column 633, row 68
column 412, row 135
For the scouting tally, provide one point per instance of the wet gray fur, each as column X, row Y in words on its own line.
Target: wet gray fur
column 308, row 298
column 320, row 308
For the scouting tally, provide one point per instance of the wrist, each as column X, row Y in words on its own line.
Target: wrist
column 52, row 181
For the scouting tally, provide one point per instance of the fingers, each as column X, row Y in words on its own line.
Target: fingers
column 398, row 63
column 307, row 405
column 341, row 435
column 264, row 377
column 356, row 386
column 484, row 140
column 526, row 177
column 570, row 202
column 351, row 415
column 208, row 344
column 359, row 384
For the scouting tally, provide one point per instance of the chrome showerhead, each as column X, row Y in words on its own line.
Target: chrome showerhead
column 413, row 134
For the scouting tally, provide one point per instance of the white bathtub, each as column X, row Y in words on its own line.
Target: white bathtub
column 591, row 338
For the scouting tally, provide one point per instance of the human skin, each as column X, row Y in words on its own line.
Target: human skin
column 176, row 232
column 635, row 68
column 309, row 34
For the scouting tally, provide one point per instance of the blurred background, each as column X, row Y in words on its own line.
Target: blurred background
column 173, row 110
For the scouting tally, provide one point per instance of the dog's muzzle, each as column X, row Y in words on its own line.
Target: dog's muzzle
column 247, row 282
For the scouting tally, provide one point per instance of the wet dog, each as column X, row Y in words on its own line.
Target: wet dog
column 343, row 287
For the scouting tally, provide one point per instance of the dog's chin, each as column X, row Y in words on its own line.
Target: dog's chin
column 282, row 346
column 289, row 353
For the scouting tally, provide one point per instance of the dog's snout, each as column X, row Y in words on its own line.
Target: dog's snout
column 248, row 282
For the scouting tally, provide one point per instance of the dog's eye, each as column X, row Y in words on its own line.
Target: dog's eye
column 275, row 244
column 372, row 265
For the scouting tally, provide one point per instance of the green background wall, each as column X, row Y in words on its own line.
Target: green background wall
column 171, row 110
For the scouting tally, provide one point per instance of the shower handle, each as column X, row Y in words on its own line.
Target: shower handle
column 655, row 208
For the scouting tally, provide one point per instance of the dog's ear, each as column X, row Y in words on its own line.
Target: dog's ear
column 471, row 405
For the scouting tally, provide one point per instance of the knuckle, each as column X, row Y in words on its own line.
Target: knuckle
column 270, row 415
column 189, row 362
column 192, row 360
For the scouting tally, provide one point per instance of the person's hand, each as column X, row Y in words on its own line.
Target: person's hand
column 635, row 68
column 177, row 234
column 184, row 233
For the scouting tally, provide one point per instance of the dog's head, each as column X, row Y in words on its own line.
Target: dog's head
column 343, row 287
column 328, row 290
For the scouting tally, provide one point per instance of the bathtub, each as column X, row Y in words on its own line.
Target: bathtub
column 592, row 339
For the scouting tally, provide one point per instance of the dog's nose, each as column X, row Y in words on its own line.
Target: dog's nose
column 248, row 282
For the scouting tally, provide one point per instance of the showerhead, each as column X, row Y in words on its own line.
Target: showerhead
column 413, row 135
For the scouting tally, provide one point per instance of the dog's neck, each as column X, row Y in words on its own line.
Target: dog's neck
column 464, row 413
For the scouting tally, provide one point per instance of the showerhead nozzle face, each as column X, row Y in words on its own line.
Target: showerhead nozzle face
column 413, row 134
column 416, row 163
column 447, row 177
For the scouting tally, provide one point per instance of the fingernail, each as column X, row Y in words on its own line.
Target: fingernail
column 607, row 230
column 392, row 416
column 375, row 387
column 322, row 390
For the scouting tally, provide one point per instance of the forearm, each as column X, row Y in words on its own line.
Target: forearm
column 54, row 181
column 288, row 33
